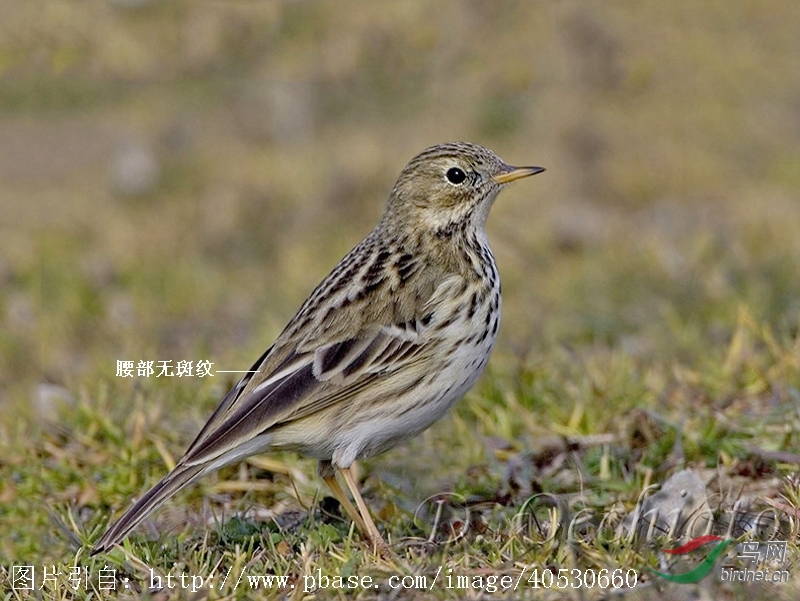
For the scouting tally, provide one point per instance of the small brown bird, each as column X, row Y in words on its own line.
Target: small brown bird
column 389, row 341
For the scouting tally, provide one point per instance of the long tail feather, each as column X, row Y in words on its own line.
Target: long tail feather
column 152, row 500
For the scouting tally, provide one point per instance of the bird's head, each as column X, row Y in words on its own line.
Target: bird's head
column 451, row 185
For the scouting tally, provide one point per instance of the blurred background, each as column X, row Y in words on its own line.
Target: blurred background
column 176, row 176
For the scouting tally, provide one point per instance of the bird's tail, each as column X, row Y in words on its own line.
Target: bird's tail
column 170, row 484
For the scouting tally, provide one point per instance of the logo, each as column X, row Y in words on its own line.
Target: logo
column 705, row 567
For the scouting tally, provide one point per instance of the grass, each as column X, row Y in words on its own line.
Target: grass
column 578, row 425
column 651, row 314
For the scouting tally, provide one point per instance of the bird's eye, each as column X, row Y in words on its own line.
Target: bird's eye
column 455, row 176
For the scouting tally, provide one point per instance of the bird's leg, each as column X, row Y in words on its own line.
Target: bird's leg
column 327, row 473
column 370, row 529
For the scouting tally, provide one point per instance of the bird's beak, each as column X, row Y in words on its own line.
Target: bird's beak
column 511, row 174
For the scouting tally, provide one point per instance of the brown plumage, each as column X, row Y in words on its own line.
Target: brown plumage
column 382, row 348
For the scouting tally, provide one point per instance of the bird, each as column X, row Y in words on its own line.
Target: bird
column 382, row 348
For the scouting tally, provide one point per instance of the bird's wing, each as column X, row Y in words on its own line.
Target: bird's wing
column 374, row 335
column 291, row 380
column 305, row 382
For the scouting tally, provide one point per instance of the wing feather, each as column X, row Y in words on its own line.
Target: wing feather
column 304, row 384
column 327, row 357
